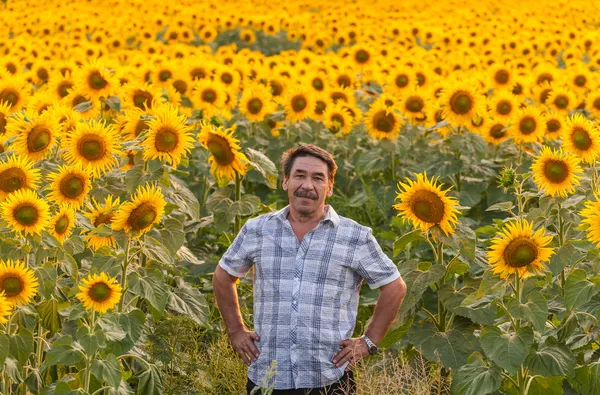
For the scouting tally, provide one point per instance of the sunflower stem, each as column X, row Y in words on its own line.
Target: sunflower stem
column 561, row 241
column 238, row 196
column 393, row 166
column 40, row 349
column 88, row 358
column 124, row 274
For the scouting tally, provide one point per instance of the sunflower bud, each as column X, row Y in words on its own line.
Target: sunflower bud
column 507, row 178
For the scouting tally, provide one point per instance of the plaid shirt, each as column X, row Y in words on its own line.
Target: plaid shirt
column 305, row 294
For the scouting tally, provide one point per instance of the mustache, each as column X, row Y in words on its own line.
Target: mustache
column 306, row 194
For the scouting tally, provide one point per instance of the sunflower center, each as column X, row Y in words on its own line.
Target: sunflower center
column 362, row 56
column 99, row 292
column 338, row 120
column 72, row 186
column 180, row 86
column 384, row 122
column 227, row 78
column 96, row 81
column 527, row 125
column 220, row 150
column 166, row 139
column 61, row 225
column 561, row 101
column 497, row 131
column 502, row 76
column 580, row 81
column 12, row 285
column 63, row 88
column 254, row 105
column 12, row 179
column 556, row 171
column 140, row 127
column 520, row 252
column 276, row 88
column 518, row 89
column 597, row 104
column 401, row 80
column 103, row 219
column 142, row 99
column 581, row 139
column 9, row 95
column 553, row 126
column 545, row 77
column 299, row 103
column 320, row 107
column 421, row 79
column 461, row 102
column 142, row 216
column 544, row 95
column 427, row 206
column 164, row 75
column 91, row 147
column 414, row 104
column 504, row 107
column 344, row 81
column 26, row 214
column 209, row 95
column 38, row 138
column 318, row 84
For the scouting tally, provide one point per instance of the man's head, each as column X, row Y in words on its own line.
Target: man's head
column 308, row 173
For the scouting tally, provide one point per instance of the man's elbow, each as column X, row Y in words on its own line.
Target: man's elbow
column 395, row 289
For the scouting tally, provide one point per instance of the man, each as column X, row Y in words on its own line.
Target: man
column 309, row 267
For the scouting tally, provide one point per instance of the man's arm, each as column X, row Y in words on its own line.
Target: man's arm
column 227, row 300
column 386, row 309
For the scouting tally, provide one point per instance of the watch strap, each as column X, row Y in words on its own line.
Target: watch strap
column 372, row 347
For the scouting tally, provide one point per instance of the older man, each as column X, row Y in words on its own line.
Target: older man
column 309, row 266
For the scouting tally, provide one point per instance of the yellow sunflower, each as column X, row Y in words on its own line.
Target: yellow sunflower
column 494, row 131
column 338, row 119
column 133, row 122
column 169, row 137
column 144, row 210
column 382, row 122
column 556, row 172
column 401, row 78
column 554, row 125
column 4, row 112
column 143, row 96
column 18, row 282
column 226, row 159
column 101, row 214
column 256, row 102
column 36, row 134
column 95, row 80
column 17, row 173
column 425, row 204
column 12, row 91
column 100, row 292
column 60, row 85
column 62, row 224
column 298, row 103
column 581, row 137
column 209, row 96
column 518, row 250
column 591, row 217
column 25, row 212
column 527, row 125
column 503, row 105
column 94, row 144
column 70, row 185
column 462, row 102
column 561, row 100
column 592, row 103
column 414, row 104
column 5, row 308
column 501, row 76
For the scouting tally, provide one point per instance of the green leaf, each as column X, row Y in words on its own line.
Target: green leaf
column 62, row 352
column 264, row 166
column 453, row 346
column 552, row 359
column 507, row 350
column 149, row 288
column 108, row 370
column 247, row 205
column 188, row 300
column 534, row 311
column 49, row 316
column 157, row 251
column 479, row 310
column 172, row 235
column 456, row 267
column 184, row 198
column 12, row 369
column 111, row 328
column 219, row 201
column 417, row 282
column 476, row 379
column 21, row 345
column 105, row 263
column 74, row 245
column 68, row 264
column 404, row 240
column 587, row 379
column 87, row 341
column 502, row 206
column 578, row 290
column 150, row 382
column 567, row 255
column 4, row 348
column 552, row 385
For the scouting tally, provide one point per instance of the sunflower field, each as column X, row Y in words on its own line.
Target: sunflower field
column 136, row 137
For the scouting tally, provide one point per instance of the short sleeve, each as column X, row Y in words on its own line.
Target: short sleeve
column 239, row 257
column 373, row 265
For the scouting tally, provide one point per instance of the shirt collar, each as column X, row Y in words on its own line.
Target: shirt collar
column 330, row 214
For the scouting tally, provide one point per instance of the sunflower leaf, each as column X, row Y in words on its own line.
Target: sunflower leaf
column 534, row 311
column 578, row 290
column 587, row 379
column 476, row 379
column 108, row 370
column 551, row 359
column 49, row 316
column 507, row 350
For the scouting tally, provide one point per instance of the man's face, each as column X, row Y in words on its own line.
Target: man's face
column 308, row 185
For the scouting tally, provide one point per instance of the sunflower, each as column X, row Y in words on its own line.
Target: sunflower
column 425, row 204
column 581, row 137
column 209, row 96
column 298, row 103
column 462, row 101
column 5, row 308
column 101, row 214
column 41, row 101
column 414, row 104
column 12, row 91
column 556, row 172
column 226, row 159
column 17, row 173
column 501, row 76
column 494, row 132
column 100, row 292
column 248, row 36
column 503, row 105
column 62, row 224
column 25, row 212
column 227, row 76
column 554, row 125
column 144, row 210
column 18, row 282
column 142, row 96
column 169, row 137
column 256, row 102
column 592, row 103
column 527, row 125
column 93, row 144
column 36, row 134
column 317, row 80
column 518, row 250
column 591, row 217
column 579, row 78
column 4, row 112
column 87, row 107
column 338, row 119
column 561, row 100
column 95, row 80
column 401, row 78
column 361, row 56
column 70, row 185
column 382, row 122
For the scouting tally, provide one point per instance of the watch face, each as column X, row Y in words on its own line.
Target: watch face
column 373, row 350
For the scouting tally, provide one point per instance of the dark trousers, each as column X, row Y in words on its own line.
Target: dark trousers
column 344, row 386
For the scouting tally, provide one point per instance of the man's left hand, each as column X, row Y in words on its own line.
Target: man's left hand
column 353, row 350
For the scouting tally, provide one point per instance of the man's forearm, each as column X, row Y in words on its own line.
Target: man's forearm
column 227, row 301
column 386, row 310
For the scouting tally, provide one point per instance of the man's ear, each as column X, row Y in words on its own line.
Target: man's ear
column 284, row 183
column 330, row 190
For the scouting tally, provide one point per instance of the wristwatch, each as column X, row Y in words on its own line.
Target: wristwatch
column 372, row 347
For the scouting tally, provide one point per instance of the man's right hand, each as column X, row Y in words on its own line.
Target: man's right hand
column 243, row 343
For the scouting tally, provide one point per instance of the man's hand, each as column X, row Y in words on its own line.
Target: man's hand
column 353, row 350
column 243, row 343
